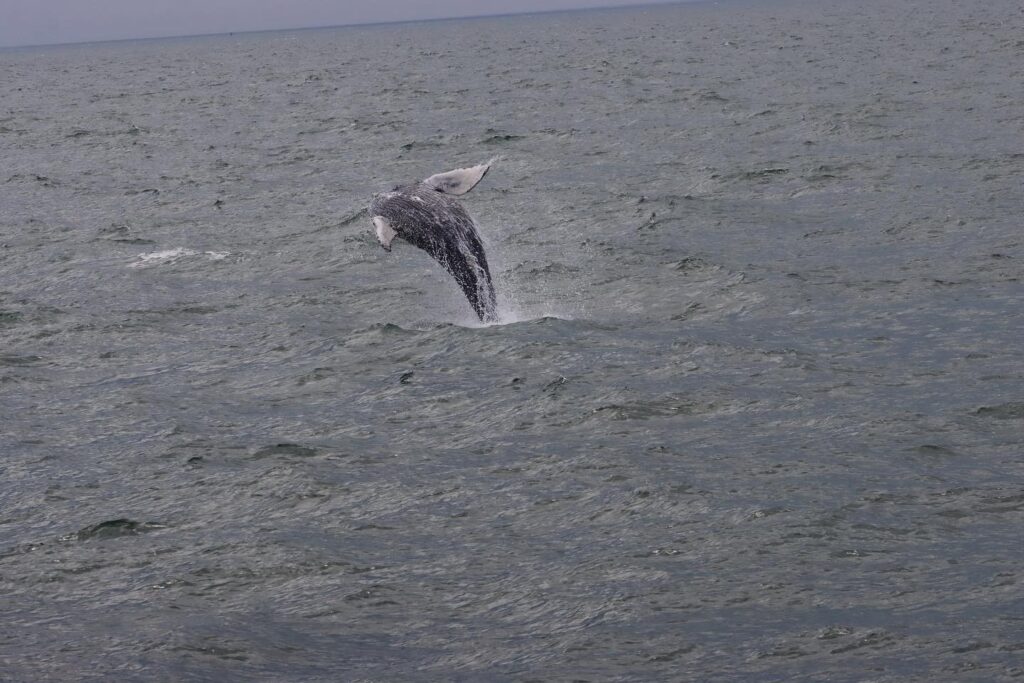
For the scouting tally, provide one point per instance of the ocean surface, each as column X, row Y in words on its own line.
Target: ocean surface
column 754, row 410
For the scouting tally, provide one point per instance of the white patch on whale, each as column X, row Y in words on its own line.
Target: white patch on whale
column 385, row 233
column 460, row 181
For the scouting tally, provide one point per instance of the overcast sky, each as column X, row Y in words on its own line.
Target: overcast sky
column 36, row 22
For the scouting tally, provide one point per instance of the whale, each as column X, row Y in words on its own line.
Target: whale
column 427, row 215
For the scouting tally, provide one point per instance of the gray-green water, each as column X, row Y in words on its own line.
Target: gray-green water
column 755, row 412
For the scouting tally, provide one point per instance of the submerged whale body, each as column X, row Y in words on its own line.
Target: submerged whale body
column 427, row 215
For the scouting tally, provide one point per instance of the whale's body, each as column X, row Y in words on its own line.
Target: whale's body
column 427, row 215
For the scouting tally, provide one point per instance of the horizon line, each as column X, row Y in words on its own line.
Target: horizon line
column 496, row 15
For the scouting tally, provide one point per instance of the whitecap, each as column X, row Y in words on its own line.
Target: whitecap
column 155, row 258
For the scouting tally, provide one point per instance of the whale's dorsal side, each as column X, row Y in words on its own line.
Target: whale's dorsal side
column 460, row 181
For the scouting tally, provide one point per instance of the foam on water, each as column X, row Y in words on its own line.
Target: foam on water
column 166, row 256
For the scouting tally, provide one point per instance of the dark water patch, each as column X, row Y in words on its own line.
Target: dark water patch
column 416, row 145
column 42, row 180
column 78, row 133
column 179, row 309
column 654, row 222
column 316, row 375
column 873, row 639
column 692, row 264
column 217, row 648
column 494, row 137
column 556, row 385
column 285, row 450
column 690, row 310
column 763, row 513
column 14, row 359
column 400, row 341
column 554, row 268
column 711, row 96
column 762, row 174
column 196, row 309
column 933, row 450
column 834, row 632
column 114, row 528
column 558, row 133
column 666, row 406
column 386, row 330
column 1005, row 411
column 133, row 240
column 1002, row 503
column 122, row 234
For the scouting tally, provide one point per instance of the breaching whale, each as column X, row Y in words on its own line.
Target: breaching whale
column 427, row 215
